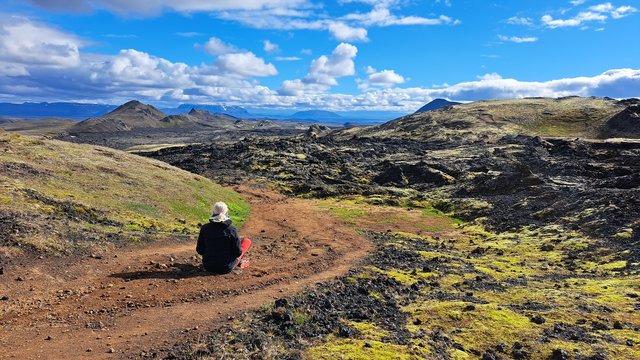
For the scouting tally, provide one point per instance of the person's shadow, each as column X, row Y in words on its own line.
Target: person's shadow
column 174, row 271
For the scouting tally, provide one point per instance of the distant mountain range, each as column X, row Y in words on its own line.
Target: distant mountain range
column 135, row 115
column 316, row 115
column 232, row 110
column 58, row 109
column 82, row 111
column 437, row 104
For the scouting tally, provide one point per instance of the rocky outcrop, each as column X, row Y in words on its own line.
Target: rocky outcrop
column 625, row 124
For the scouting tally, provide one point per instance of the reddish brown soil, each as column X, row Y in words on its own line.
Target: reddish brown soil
column 119, row 304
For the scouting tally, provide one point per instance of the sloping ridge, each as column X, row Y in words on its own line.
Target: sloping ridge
column 129, row 116
column 59, row 197
column 216, row 120
column 491, row 119
column 625, row 124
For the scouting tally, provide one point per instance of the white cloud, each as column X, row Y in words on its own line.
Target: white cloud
column 306, row 51
column 344, row 32
column 600, row 13
column 189, row 34
column 153, row 7
column 622, row 11
column 380, row 15
column 323, row 72
column 577, row 2
column 518, row 39
column 297, row 88
column 245, row 65
column 384, row 78
column 287, row 58
column 24, row 42
column 215, row 46
column 490, row 76
column 270, row 47
column 516, row 20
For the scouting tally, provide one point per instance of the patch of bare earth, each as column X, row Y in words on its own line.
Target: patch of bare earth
column 120, row 303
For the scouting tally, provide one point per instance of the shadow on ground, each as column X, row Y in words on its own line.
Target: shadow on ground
column 173, row 271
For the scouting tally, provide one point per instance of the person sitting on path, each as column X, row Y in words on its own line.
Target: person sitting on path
column 221, row 248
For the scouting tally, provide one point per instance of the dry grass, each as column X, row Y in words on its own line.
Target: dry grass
column 53, row 190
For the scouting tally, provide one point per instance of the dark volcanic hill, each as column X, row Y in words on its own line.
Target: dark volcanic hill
column 624, row 124
column 221, row 120
column 129, row 116
column 437, row 104
column 315, row 115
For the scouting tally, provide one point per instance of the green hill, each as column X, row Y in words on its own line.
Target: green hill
column 59, row 197
column 492, row 119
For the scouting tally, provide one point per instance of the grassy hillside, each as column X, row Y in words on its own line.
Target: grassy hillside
column 48, row 126
column 58, row 197
column 486, row 120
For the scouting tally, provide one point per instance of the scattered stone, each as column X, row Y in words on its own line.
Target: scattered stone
column 4, row 298
column 347, row 332
column 111, row 350
column 19, row 278
column 547, row 247
column 48, row 338
column 538, row 319
column 281, row 303
column 618, row 325
column 596, row 325
column 469, row 308
column 559, row 354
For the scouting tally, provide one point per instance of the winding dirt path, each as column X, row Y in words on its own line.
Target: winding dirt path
column 119, row 304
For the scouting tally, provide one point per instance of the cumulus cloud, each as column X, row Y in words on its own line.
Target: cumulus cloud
column 384, row 78
column 245, row 65
column 344, row 32
column 518, row 39
column 24, row 42
column 323, row 72
column 215, row 46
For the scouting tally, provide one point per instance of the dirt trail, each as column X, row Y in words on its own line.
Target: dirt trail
column 119, row 304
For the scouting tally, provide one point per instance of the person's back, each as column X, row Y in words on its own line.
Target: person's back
column 219, row 243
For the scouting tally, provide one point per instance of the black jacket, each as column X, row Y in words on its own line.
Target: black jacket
column 219, row 245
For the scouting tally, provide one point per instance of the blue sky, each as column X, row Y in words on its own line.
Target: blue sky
column 390, row 55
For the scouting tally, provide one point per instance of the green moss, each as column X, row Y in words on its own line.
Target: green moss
column 625, row 234
column 352, row 349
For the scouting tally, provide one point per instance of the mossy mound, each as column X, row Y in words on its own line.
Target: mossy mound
column 59, row 197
